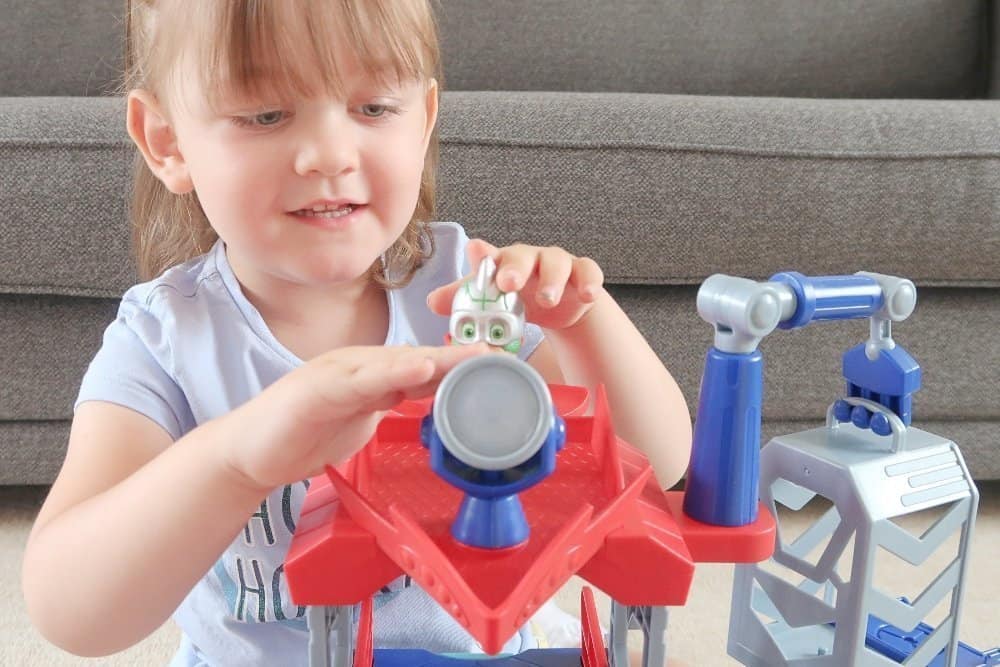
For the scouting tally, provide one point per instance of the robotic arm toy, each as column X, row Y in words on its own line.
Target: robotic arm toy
column 723, row 475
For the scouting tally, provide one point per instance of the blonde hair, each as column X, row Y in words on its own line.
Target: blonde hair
column 233, row 40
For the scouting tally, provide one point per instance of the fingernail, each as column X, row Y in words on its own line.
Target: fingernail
column 548, row 295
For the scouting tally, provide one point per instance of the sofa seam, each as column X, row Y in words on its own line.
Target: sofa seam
column 730, row 150
column 721, row 149
column 34, row 143
column 610, row 280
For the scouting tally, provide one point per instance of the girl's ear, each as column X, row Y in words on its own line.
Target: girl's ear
column 432, row 110
column 155, row 138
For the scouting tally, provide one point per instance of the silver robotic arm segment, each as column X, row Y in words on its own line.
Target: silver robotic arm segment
column 899, row 298
column 743, row 311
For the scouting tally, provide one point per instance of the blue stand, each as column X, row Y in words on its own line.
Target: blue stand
column 721, row 486
column 491, row 515
column 490, row 523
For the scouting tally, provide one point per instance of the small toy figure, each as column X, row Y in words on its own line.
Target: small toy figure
column 482, row 312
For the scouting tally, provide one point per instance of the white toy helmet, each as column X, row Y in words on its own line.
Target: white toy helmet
column 481, row 312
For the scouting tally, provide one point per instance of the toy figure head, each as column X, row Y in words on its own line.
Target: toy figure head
column 481, row 312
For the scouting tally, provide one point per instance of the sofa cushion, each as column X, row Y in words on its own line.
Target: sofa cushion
column 913, row 49
column 658, row 189
column 669, row 189
column 780, row 48
column 54, row 47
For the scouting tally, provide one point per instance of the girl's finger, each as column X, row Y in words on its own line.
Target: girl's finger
column 367, row 378
column 476, row 250
column 554, row 268
column 442, row 359
column 515, row 265
column 379, row 385
column 439, row 300
column 587, row 278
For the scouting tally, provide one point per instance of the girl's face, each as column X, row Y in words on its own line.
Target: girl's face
column 261, row 167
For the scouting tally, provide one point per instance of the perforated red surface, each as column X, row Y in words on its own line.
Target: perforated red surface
column 600, row 514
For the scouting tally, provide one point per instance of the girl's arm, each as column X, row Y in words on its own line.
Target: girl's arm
column 131, row 524
column 134, row 521
column 646, row 404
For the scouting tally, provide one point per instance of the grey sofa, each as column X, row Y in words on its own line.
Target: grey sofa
column 668, row 139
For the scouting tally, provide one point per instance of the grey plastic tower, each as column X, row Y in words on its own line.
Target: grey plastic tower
column 870, row 480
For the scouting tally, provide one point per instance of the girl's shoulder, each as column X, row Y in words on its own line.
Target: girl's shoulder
column 196, row 283
column 448, row 233
column 450, row 239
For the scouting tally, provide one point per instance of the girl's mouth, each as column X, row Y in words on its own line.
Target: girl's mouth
column 330, row 218
column 326, row 213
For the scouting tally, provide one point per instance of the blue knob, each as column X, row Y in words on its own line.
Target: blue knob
column 880, row 424
column 860, row 417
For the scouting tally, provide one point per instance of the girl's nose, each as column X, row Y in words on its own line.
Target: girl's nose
column 328, row 147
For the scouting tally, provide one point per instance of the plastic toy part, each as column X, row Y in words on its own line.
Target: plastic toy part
column 721, row 485
column 591, row 654
column 480, row 311
column 890, row 379
column 600, row 515
column 331, row 635
column 592, row 651
column 741, row 310
column 722, row 478
column 820, row 610
column 492, row 433
column 365, row 646
column 492, row 412
column 897, row 645
column 566, row 400
column 829, row 297
column 876, row 370
column 653, row 623
column 560, row 657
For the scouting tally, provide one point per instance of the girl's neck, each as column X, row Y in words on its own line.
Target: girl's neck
column 310, row 321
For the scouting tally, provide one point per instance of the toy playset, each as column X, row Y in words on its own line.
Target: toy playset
column 493, row 495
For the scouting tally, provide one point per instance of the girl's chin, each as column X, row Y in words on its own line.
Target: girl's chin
column 340, row 273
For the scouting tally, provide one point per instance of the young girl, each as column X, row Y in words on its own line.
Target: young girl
column 283, row 188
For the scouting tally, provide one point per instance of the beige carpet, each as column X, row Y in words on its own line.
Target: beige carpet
column 697, row 632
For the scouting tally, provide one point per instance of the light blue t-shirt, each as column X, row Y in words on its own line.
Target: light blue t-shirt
column 188, row 347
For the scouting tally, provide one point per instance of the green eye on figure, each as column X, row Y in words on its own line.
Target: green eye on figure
column 497, row 332
column 468, row 331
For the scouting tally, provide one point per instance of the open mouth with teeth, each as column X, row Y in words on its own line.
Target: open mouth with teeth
column 327, row 211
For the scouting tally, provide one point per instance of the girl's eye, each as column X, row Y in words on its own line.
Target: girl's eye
column 377, row 110
column 468, row 331
column 268, row 117
column 265, row 119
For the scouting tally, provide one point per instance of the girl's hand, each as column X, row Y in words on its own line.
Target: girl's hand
column 326, row 410
column 557, row 288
